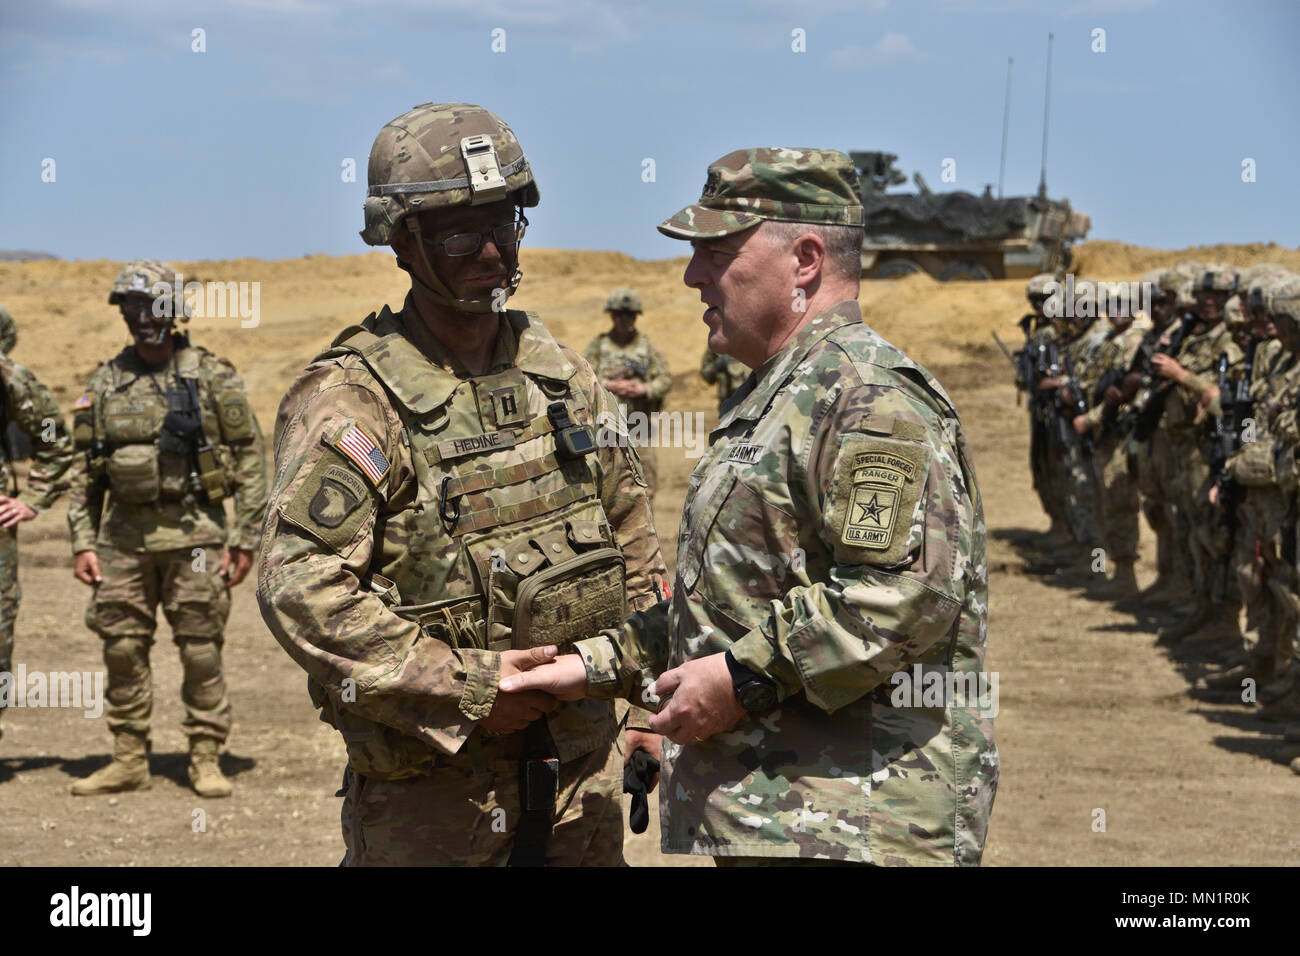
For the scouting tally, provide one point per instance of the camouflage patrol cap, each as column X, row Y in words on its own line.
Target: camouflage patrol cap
column 781, row 184
column 1218, row 277
column 149, row 277
column 1284, row 299
column 1039, row 285
column 8, row 331
column 438, row 155
column 624, row 299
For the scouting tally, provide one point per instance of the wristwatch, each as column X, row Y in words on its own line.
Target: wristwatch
column 755, row 693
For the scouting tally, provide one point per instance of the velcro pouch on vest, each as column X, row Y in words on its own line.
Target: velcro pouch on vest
column 571, row 600
column 1253, row 465
column 133, row 474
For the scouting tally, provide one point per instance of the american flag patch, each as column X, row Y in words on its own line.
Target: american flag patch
column 361, row 448
column 83, row 401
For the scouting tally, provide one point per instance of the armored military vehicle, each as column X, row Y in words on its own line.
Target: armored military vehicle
column 958, row 235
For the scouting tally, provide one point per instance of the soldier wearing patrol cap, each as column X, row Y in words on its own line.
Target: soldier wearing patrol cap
column 633, row 370
column 831, row 551
column 442, row 511
column 168, row 435
column 28, row 408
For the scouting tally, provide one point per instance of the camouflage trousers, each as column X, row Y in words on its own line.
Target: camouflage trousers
column 1266, row 580
column 1201, row 525
column 1040, row 468
column 1119, row 500
column 1081, row 493
column 10, row 594
column 1160, row 490
column 463, row 816
column 196, row 603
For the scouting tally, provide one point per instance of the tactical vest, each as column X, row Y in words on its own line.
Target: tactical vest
column 122, row 429
column 507, row 544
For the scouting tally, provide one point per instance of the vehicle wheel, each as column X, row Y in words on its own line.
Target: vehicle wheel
column 894, row 269
column 963, row 270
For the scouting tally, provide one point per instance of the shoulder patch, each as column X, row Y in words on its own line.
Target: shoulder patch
column 356, row 444
column 876, row 486
column 332, row 503
column 85, row 401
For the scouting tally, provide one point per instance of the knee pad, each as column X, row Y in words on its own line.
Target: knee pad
column 203, row 685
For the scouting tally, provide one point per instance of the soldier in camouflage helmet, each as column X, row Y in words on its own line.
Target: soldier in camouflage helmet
column 8, row 330
column 723, row 371
column 833, row 544
column 28, row 408
column 168, row 435
column 442, row 511
column 634, row 371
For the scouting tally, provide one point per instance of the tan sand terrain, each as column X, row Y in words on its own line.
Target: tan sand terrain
column 1093, row 715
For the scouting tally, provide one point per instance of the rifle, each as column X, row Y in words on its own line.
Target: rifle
column 631, row 369
column 1149, row 404
column 1017, row 363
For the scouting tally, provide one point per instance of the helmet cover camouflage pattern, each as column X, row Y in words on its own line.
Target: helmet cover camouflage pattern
column 148, row 277
column 782, row 184
column 1218, row 277
column 1178, row 281
column 1258, row 289
column 1284, row 299
column 8, row 331
column 1038, row 286
column 623, row 299
column 439, row 155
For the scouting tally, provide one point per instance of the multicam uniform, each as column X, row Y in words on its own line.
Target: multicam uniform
column 163, row 530
column 725, row 372
column 29, row 405
column 637, row 361
column 422, row 520
column 833, row 539
column 1119, row 498
column 1265, row 577
column 1081, row 487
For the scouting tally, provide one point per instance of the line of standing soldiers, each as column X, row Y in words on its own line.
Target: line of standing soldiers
column 1188, row 413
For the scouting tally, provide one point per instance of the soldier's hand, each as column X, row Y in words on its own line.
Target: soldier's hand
column 653, row 744
column 1204, row 402
column 1168, row 367
column 235, row 564
column 13, row 511
column 1047, row 383
column 1132, row 382
column 513, row 712
column 563, row 677
column 703, row 700
column 1067, row 395
column 86, row 567
column 1214, row 495
column 625, row 388
column 1113, row 397
column 1080, row 425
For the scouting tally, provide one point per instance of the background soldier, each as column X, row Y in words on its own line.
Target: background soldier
column 169, row 434
column 629, row 365
column 440, row 507
column 28, row 406
column 833, row 538
column 724, row 371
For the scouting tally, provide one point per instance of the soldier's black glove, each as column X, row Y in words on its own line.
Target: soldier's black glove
column 637, row 774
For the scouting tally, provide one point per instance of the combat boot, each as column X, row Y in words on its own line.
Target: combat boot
column 129, row 769
column 1277, row 689
column 1284, row 710
column 1231, row 678
column 1198, row 617
column 205, row 770
column 1123, row 585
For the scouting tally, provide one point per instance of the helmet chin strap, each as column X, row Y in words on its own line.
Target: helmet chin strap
column 439, row 292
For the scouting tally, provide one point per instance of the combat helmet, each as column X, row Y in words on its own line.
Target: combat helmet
column 438, row 156
column 152, row 278
column 1257, row 282
column 1178, row 281
column 1218, row 277
column 8, row 331
column 1039, row 286
column 624, row 299
column 1284, row 299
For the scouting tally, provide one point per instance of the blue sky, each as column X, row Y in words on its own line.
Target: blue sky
column 162, row 151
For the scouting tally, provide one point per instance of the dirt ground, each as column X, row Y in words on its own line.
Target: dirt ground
column 1093, row 716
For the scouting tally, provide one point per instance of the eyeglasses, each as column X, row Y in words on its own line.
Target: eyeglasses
column 503, row 237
